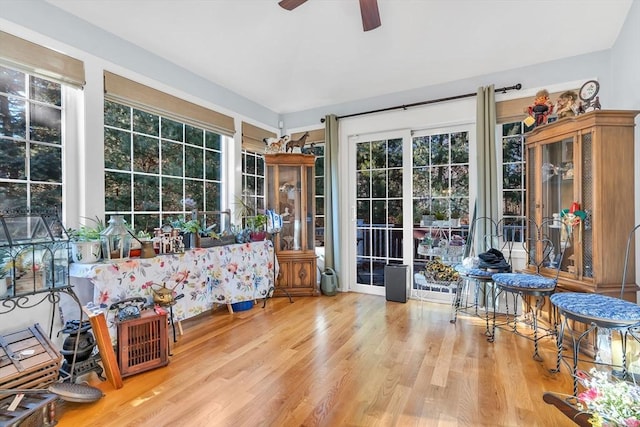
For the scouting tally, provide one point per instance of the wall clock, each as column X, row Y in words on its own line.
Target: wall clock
column 589, row 96
column 589, row 90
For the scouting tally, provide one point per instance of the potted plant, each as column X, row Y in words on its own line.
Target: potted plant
column 5, row 273
column 211, row 238
column 257, row 225
column 427, row 217
column 190, row 232
column 85, row 242
column 440, row 218
column 255, row 222
column 455, row 219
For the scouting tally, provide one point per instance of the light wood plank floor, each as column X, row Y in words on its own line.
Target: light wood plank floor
column 349, row 360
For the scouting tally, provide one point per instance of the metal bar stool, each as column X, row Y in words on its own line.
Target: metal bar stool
column 545, row 246
column 484, row 236
column 597, row 311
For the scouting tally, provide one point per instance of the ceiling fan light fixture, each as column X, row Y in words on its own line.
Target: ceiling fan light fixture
column 368, row 10
column 290, row 4
column 370, row 14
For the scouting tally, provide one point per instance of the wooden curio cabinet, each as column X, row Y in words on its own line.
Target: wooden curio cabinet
column 588, row 160
column 290, row 193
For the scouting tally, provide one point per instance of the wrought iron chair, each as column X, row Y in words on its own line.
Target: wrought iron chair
column 597, row 311
column 545, row 246
column 484, row 235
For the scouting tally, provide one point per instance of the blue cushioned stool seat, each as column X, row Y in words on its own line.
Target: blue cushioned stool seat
column 532, row 285
column 481, row 294
column 524, row 281
column 473, row 272
column 599, row 307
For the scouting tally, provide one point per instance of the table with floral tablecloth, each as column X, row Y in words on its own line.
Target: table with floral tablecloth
column 204, row 276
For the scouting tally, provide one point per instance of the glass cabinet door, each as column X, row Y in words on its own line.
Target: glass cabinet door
column 309, row 241
column 557, row 197
column 557, row 177
column 290, row 208
column 290, row 200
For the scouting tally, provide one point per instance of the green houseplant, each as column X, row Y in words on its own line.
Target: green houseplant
column 85, row 242
column 254, row 221
column 190, row 231
column 257, row 227
column 425, row 218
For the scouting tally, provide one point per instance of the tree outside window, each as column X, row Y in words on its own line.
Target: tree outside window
column 31, row 141
column 158, row 168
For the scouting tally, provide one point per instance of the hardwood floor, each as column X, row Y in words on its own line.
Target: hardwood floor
column 349, row 360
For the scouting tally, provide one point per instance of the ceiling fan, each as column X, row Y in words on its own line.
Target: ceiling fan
column 368, row 10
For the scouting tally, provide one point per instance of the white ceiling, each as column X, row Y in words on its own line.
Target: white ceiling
column 318, row 55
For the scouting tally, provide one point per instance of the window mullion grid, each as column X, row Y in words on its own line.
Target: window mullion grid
column 131, row 163
column 27, row 142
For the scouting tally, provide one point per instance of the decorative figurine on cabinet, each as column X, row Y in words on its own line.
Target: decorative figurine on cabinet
column 297, row 143
column 276, row 145
column 540, row 110
column 567, row 105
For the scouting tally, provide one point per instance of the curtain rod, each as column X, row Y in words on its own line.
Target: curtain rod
column 517, row 86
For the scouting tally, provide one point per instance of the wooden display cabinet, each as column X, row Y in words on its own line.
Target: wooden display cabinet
column 290, row 185
column 588, row 160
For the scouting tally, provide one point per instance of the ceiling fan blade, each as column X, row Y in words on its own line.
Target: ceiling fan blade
column 370, row 14
column 290, row 4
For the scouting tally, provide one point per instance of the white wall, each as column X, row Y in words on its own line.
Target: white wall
column 625, row 94
column 580, row 68
column 62, row 27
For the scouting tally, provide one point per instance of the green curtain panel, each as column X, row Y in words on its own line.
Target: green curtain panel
column 487, row 202
column 331, row 191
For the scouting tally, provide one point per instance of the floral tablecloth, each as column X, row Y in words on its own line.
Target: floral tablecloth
column 218, row 275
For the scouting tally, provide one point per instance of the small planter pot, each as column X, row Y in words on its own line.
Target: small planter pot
column 85, row 252
column 427, row 220
column 257, row 236
column 191, row 240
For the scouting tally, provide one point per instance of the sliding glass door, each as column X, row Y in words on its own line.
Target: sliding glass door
column 397, row 180
column 440, row 172
column 378, row 205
